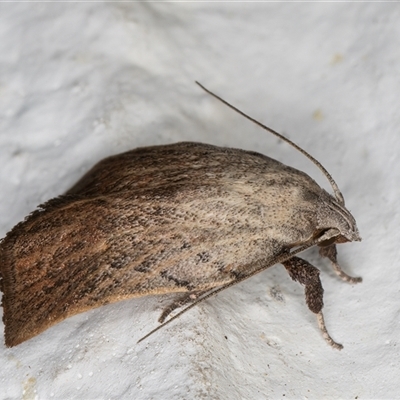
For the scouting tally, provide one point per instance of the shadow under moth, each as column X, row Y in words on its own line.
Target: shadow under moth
column 186, row 218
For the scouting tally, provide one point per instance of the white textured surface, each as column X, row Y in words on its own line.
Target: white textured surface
column 81, row 81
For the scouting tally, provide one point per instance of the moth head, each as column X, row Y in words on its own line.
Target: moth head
column 335, row 223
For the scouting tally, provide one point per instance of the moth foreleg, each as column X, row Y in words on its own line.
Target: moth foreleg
column 330, row 253
column 306, row 274
column 179, row 302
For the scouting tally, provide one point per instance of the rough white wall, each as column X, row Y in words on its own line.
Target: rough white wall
column 80, row 81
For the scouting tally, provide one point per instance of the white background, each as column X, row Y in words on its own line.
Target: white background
column 81, row 81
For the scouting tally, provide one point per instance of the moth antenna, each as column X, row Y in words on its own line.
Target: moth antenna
column 277, row 260
column 335, row 187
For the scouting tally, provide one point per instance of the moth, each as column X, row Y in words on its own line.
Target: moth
column 185, row 218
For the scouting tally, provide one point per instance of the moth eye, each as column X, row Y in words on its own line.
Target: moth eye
column 320, row 233
column 337, row 239
column 326, row 242
column 341, row 239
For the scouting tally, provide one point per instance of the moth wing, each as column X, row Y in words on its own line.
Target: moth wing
column 76, row 254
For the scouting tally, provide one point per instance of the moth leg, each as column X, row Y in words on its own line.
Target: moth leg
column 179, row 302
column 306, row 274
column 330, row 253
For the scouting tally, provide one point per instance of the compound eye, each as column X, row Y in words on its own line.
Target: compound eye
column 341, row 239
column 337, row 239
column 327, row 242
column 317, row 235
column 328, row 236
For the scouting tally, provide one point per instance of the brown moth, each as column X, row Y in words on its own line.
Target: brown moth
column 185, row 218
